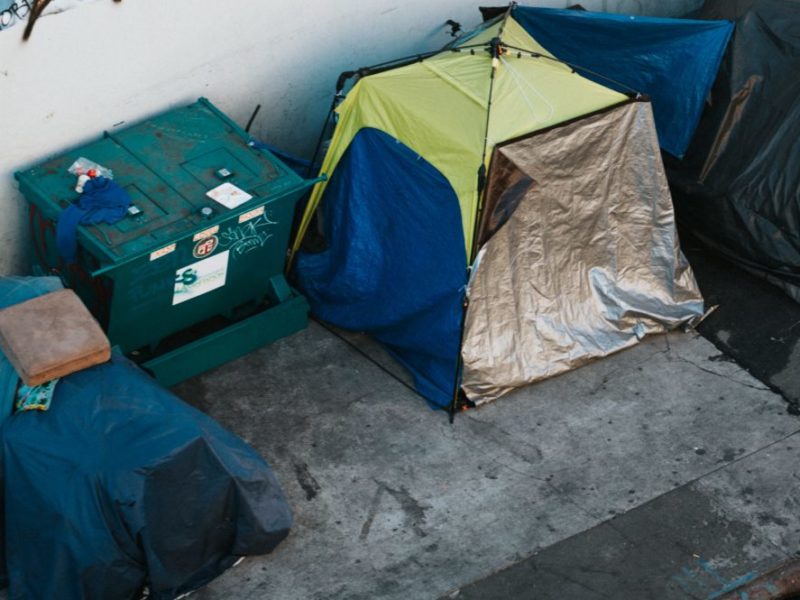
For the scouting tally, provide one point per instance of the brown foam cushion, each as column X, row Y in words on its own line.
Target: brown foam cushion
column 51, row 336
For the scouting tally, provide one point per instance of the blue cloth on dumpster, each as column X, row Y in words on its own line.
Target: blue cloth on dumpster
column 102, row 201
column 121, row 485
column 674, row 61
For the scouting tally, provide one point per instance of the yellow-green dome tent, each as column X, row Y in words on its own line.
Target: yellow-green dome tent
column 494, row 162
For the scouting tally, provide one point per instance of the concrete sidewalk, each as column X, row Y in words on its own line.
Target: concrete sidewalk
column 392, row 502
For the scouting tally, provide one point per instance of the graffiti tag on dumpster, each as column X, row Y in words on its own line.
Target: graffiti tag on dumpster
column 248, row 236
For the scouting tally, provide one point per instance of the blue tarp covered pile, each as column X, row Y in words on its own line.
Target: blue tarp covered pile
column 121, row 486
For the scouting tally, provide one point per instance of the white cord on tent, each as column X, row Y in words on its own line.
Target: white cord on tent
column 520, row 81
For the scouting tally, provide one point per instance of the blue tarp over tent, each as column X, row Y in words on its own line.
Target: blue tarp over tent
column 395, row 266
column 674, row 61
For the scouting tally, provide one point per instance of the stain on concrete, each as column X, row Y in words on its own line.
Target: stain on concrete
column 769, row 519
column 414, row 516
column 523, row 449
column 414, row 511
column 728, row 455
column 373, row 511
column 306, row 480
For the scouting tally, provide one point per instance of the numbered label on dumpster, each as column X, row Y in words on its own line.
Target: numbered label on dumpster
column 200, row 278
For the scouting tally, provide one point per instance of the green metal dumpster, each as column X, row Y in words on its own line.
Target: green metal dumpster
column 193, row 276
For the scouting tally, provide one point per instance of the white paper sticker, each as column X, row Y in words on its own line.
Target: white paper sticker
column 200, row 278
column 251, row 214
column 162, row 252
column 229, row 195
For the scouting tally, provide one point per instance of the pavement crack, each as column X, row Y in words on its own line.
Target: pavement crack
column 574, row 581
column 552, row 487
column 491, row 454
column 760, row 388
column 516, row 439
column 607, row 377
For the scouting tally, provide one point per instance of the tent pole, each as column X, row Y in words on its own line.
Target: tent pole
column 523, row 52
column 320, row 140
column 309, row 174
column 495, row 47
column 337, row 97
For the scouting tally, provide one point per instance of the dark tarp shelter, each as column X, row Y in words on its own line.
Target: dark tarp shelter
column 493, row 157
column 738, row 188
column 121, row 486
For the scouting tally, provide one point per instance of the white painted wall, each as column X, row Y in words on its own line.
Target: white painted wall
column 97, row 65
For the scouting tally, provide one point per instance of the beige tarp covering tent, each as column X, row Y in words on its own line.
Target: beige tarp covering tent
column 587, row 263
